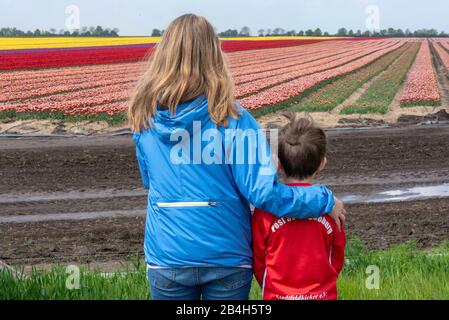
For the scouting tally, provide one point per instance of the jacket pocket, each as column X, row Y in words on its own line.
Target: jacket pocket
column 186, row 204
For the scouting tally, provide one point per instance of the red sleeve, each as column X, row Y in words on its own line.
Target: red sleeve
column 338, row 249
column 261, row 223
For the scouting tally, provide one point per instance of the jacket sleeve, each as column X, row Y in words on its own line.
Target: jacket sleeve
column 141, row 162
column 261, row 222
column 257, row 180
column 338, row 249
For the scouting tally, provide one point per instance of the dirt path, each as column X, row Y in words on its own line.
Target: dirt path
column 80, row 199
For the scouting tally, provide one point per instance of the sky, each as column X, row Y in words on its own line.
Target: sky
column 139, row 17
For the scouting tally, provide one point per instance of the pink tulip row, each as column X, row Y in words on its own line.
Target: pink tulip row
column 313, row 53
column 321, row 61
column 110, row 109
column 76, row 84
column 296, row 87
column 72, row 100
column 442, row 53
column 259, row 60
column 421, row 86
column 258, row 85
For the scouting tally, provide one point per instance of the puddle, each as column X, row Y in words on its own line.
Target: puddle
column 397, row 195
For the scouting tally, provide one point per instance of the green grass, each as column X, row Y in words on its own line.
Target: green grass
column 328, row 97
column 378, row 97
column 433, row 103
column 405, row 273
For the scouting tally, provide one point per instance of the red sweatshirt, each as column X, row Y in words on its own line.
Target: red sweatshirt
column 297, row 259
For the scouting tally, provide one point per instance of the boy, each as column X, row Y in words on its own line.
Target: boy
column 298, row 259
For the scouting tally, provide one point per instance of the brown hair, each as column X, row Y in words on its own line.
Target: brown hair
column 188, row 62
column 302, row 147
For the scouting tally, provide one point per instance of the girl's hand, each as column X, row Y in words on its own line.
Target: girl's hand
column 338, row 213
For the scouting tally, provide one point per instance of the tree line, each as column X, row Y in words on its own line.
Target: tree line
column 97, row 31
column 342, row 32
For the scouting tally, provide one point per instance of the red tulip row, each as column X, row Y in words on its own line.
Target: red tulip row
column 421, row 86
column 61, row 58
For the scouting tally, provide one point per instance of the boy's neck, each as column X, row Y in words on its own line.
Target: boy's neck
column 290, row 180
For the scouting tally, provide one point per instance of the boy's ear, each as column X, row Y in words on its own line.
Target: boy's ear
column 322, row 165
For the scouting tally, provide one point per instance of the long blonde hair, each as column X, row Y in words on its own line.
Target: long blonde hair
column 188, row 62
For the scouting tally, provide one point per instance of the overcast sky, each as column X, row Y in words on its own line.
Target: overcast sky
column 139, row 17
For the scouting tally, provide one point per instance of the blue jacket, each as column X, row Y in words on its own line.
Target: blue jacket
column 201, row 183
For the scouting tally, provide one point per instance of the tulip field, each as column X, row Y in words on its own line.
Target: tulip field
column 92, row 78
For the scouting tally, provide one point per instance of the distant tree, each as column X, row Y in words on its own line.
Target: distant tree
column 245, row 32
column 342, row 32
column 367, row 34
column 115, row 32
column 326, row 34
column 309, row 33
column 358, row 33
column 291, row 33
column 278, row 32
column 99, row 31
column 156, row 33
column 261, row 32
column 351, row 33
column 301, row 33
column 37, row 33
column 229, row 33
column 318, row 32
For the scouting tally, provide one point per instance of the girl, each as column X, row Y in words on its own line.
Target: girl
column 198, row 226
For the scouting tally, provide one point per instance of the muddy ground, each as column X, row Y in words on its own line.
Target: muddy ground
column 64, row 178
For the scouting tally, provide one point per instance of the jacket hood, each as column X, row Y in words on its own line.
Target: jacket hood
column 166, row 124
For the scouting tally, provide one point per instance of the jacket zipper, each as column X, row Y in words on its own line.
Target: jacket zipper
column 186, row 204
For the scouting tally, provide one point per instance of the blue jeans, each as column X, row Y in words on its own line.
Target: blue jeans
column 208, row 283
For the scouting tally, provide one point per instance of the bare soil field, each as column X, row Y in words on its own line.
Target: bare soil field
column 79, row 199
